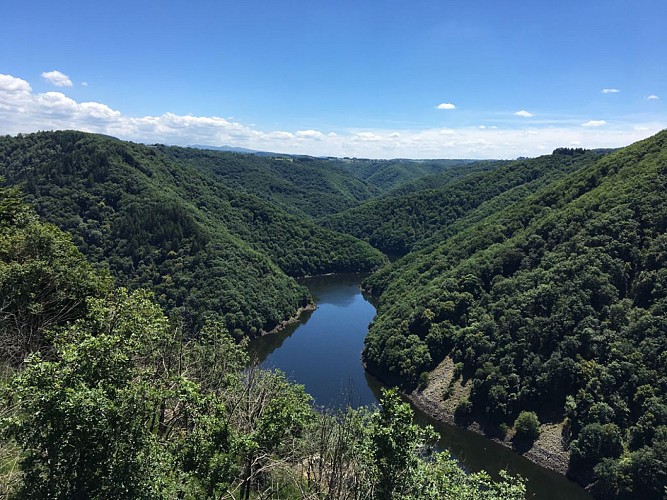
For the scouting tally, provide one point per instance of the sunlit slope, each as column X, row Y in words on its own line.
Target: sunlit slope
column 398, row 224
column 556, row 304
column 200, row 245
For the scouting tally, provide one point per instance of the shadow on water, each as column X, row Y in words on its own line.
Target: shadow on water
column 323, row 352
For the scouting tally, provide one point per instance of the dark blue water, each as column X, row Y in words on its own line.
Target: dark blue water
column 323, row 352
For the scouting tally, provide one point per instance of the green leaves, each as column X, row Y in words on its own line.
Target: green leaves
column 558, row 295
column 190, row 225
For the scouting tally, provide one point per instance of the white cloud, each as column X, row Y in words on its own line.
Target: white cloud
column 22, row 110
column 610, row 91
column 84, row 84
column 12, row 85
column 653, row 97
column 281, row 135
column 367, row 136
column 594, row 123
column 446, row 105
column 524, row 114
column 57, row 78
column 15, row 94
column 309, row 134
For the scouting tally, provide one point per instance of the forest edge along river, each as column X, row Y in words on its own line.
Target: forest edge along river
column 322, row 351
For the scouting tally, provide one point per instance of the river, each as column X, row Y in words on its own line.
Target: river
column 323, row 352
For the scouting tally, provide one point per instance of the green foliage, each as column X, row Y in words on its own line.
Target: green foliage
column 119, row 402
column 44, row 280
column 527, row 426
column 595, row 442
column 129, row 408
column 399, row 224
column 556, row 301
column 392, row 176
column 396, row 443
column 159, row 221
column 82, row 417
column 301, row 185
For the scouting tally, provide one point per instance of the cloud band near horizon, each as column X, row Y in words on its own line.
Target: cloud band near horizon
column 24, row 111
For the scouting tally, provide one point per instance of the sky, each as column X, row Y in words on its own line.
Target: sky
column 380, row 78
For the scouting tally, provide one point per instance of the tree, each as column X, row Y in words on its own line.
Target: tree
column 83, row 417
column 595, row 442
column 44, row 279
column 397, row 443
column 527, row 426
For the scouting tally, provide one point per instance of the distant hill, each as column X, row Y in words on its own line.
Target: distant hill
column 230, row 149
column 302, row 185
column 398, row 224
column 390, row 174
column 201, row 245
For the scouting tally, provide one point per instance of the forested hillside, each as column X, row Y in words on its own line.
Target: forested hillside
column 102, row 396
column 391, row 174
column 301, row 185
column 555, row 304
column 396, row 225
column 449, row 176
column 202, row 247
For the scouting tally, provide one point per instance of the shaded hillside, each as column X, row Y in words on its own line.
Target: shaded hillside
column 397, row 225
column 556, row 304
column 449, row 176
column 201, row 246
column 298, row 184
column 391, row 174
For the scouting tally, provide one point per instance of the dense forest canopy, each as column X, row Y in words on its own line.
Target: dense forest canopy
column 542, row 281
column 301, row 185
column 108, row 398
column 556, row 303
column 397, row 224
column 201, row 246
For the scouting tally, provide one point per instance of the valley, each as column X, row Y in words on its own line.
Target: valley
column 532, row 286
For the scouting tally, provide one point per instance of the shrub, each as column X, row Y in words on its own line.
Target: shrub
column 527, row 426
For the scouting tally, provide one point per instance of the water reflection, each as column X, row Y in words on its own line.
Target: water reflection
column 323, row 352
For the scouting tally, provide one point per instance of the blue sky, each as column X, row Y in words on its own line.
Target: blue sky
column 364, row 78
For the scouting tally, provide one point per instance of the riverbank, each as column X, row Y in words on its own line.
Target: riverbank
column 547, row 451
column 290, row 321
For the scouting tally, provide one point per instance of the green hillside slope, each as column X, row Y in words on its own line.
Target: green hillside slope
column 298, row 184
column 387, row 175
column 202, row 247
column 556, row 304
column 397, row 225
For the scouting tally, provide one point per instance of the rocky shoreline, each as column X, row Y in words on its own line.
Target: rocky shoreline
column 290, row 321
column 547, row 451
column 555, row 461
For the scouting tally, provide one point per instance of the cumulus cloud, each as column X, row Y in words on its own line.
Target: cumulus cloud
column 12, row 85
column 309, row 134
column 15, row 93
column 653, row 97
column 22, row 110
column 610, row 91
column 524, row 114
column 594, row 123
column 367, row 136
column 446, row 105
column 57, row 78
